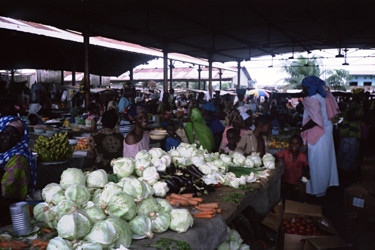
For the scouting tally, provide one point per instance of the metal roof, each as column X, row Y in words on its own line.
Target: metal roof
column 226, row 30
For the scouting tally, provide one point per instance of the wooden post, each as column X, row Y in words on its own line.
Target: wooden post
column 100, row 81
column 12, row 75
column 86, row 42
column 74, row 75
column 199, row 76
column 170, row 74
column 62, row 77
column 210, row 76
column 238, row 74
column 165, row 70
column 220, row 74
column 131, row 74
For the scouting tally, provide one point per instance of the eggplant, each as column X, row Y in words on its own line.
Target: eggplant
column 192, row 173
column 176, row 179
column 196, row 170
column 173, row 188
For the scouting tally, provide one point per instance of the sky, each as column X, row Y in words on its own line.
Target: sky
column 360, row 61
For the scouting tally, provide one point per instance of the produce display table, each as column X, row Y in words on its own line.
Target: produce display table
column 264, row 195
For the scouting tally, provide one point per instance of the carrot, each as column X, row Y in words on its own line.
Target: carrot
column 13, row 244
column 43, row 247
column 204, row 216
column 203, row 208
column 180, row 202
column 209, row 205
column 206, row 212
column 218, row 210
column 168, row 198
column 199, row 199
column 46, row 230
column 190, row 195
column 39, row 243
column 191, row 201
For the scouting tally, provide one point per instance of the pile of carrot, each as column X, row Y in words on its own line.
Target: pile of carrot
column 183, row 199
column 17, row 245
column 207, row 210
column 40, row 243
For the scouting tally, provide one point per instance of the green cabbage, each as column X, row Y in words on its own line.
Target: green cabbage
column 160, row 223
column 165, row 206
column 72, row 176
column 59, row 243
column 122, row 205
column 103, row 232
column 109, row 190
column 150, row 175
column 49, row 191
column 94, row 212
column 141, row 227
column 97, row 179
column 46, row 214
column 82, row 245
column 65, row 207
column 148, row 206
column 123, row 167
column 78, row 194
column 124, row 232
column 74, row 226
column 224, row 246
column 181, row 220
column 161, row 188
column 136, row 188
column 58, row 197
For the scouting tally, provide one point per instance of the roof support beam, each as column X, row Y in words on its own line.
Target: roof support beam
column 238, row 74
column 210, row 75
column 86, row 43
column 165, row 70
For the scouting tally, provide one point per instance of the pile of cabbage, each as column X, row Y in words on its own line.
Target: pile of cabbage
column 89, row 212
column 233, row 242
column 215, row 166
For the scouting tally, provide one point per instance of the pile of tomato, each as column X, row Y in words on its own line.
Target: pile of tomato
column 301, row 226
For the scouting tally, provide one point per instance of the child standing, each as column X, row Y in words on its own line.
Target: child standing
column 173, row 140
column 295, row 167
column 233, row 136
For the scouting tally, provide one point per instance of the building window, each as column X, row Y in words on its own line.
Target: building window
column 367, row 84
column 353, row 84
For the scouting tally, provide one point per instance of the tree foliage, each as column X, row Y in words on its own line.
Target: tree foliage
column 338, row 79
column 299, row 69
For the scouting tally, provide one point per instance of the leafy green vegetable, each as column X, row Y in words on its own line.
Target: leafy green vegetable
column 171, row 244
column 235, row 198
column 246, row 187
column 239, row 171
column 113, row 178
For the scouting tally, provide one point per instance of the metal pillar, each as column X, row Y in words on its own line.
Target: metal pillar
column 165, row 70
column 187, row 84
column 210, row 76
column 86, row 42
column 100, row 81
column 199, row 76
column 74, row 75
column 12, row 75
column 170, row 74
column 131, row 74
column 220, row 74
column 62, row 77
column 238, row 74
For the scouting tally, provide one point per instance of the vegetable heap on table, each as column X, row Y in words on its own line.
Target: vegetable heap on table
column 233, row 242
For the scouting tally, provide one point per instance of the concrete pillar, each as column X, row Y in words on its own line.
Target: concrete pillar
column 86, row 42
column 165, row 70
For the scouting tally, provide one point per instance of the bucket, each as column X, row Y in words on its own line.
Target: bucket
column 19, row 213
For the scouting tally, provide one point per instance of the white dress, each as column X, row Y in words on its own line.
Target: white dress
column 322, row 157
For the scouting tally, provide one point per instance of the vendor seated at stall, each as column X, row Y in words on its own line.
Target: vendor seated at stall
column 173, row 140
column 295, row 167
column 233, row 136
column 17, row 165
column 255, row 141
column 104, row 145
column 138, row 138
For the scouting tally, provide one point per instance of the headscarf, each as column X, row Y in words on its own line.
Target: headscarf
column 133, row 110
column 21, row 148
column 198, row 127
column 314, row 84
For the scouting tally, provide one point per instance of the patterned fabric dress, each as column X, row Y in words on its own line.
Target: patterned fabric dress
column 17, row 164
column 104, row 146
